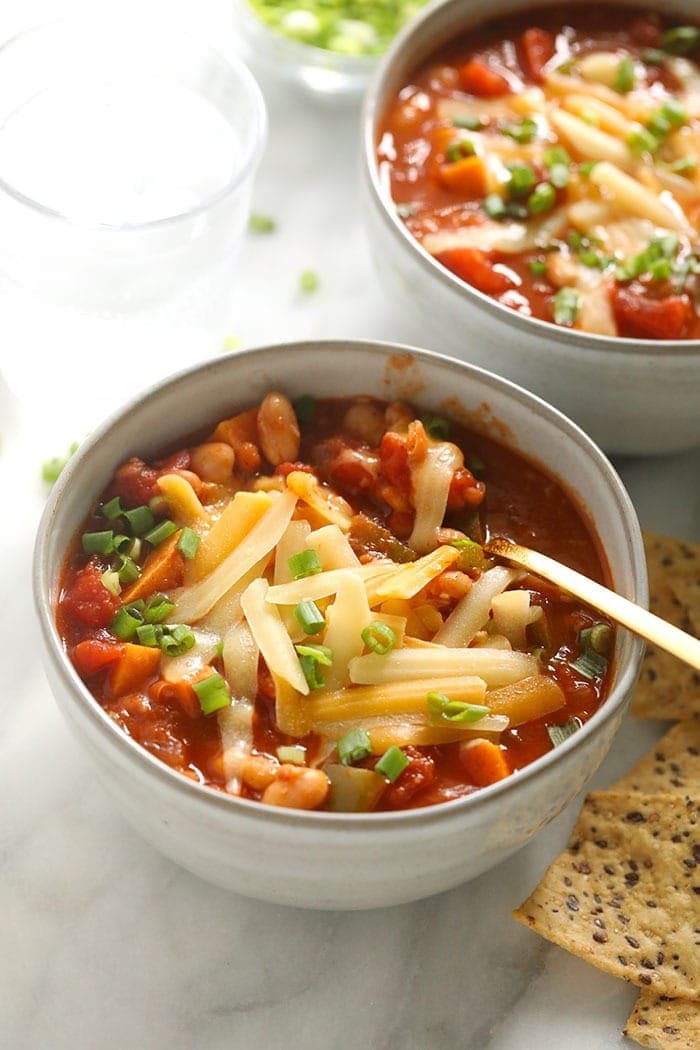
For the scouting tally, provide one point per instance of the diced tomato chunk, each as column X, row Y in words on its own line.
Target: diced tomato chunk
column 537, row 47
column 135, row 482
column 479, row 79
column 484, row 762
column 419, row 772
column 477, row 268
column 94, row 654
column 645, row 318
column 393, row 455
column 466, row 176
column 465, row 490
column 88, row 600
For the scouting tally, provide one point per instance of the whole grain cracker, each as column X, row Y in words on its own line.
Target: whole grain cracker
column 668, row 688
column 672, row 765
column 660, row 1022
column 624, row 893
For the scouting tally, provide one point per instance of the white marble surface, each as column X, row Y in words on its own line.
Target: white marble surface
column 107, row 944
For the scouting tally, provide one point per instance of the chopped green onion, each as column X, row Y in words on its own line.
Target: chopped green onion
column 308, row 282
column 161, row 532
column 538, row 268
column 140, row 520
column 312, row 672
column 658, row 125
column 320, row 653
column 261, row 223
column 220, row 649
column 303, row 564
column 188, row 543
column 625, row 77
column 440, row 706
column 212, row 693
column 654, row 56
column 379, row 637
column 494, row 206
column 565, row 306
column 524, row 132
column 113, row 509
column 147, row 635
column 521, row 181
column 641, row 140
column 176, row 639
column 590, row 664
column 158, row 608
column 110, row 580
column 128, row 570
column 460, row 150
column 543, row 198
column 556, row 155
column 682, row 165
column 558, row 734
column 305, row 409
column 436, row 427
column 658, row 249
column 392, row 764
column 354, row 746
column 309, row 617
column 680, row 40
column 404, row 210
column 98, row 542
column 51, row 469
column 660, row 269
column 674, row 112
column 122, row 544
column 598, row 638
column 126, row 622
column 587, row 167
column 468, row 123
column 295, row 755
column 559, row 175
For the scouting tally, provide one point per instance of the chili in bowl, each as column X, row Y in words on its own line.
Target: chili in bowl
column 279, row 626
column 547, row 162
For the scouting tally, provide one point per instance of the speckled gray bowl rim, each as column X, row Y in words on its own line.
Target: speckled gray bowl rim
column 343, row 821
column 371, row 111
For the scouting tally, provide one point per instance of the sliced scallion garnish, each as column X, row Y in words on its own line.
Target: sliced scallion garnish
column 354, row 746
column 140, row 520
column 212, row 693
column 379, row 637
column 98, row 542
column 625, row 78
column 188, row 543
column 112, row 509
column 436, row 427
column 162, row 531
column 309, row 617
column 293, row 754
column 558, row 734
column 392, row 764
column 440, row 706
column 305, row 563
column 565, row 306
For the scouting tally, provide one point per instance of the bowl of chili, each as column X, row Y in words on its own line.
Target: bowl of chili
column 532, row 188
column 466, row 709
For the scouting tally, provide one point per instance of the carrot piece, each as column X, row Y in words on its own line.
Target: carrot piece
column 164, row 568
column 238, row 429
column 94, row 654
column 466, row 176
column 537, row 47
column 180, row 693
column 637, row 315
column 484, row 762
column 479, row 79
column 136, row 663
column 477, row 268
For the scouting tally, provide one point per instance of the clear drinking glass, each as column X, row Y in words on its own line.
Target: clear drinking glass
column 127, row 157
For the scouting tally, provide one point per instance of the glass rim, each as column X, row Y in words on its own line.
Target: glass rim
column 250, row 159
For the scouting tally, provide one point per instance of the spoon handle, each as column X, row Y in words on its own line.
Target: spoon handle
column 667, row 637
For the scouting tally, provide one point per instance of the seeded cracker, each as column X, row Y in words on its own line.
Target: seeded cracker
column 667, row 688
column 624, row 894
column 659, row 1022
column 673, row 765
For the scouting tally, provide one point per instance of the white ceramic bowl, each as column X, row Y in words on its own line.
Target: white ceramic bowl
column 631, row 395
column 329, row 860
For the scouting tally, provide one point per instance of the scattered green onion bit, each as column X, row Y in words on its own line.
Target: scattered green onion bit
column 127, row 569
column 538, row 267
column 303, row 564
column 305, row 409
column 212, row 693
column 440, row 706
column 309, row 282
column 158, row 608
column 641, row 140
column 559, row 175
column 591, row 663
column 558, row 734
column 113, row 509
column 321, row 654
column 293, row 754
column 110, row 580
column 161, row 532
column 468, row 123
column 311, row 670
column 436, row 427
column 354, row 746
column 460, row 150
column 565, row 306
column 122, row 544
column 674, row 112
column 126, row 621
column 658, row 249
column 587, row 167
column 682, row 165
column 146, row 634
column 140, row 520
column 379, row 637
column 680, row 40
column 653, row 56
column 309, row 617
column 521, row 181
column 98, row 542
column 261, row 223
column 188, row 543
column 392, row 764
column 524, row 132
column 175, row 639
column 599, row 638
column 495, row 206
column 625, row 78
column 543, row 198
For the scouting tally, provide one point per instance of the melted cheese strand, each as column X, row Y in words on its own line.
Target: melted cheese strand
column 271, row 636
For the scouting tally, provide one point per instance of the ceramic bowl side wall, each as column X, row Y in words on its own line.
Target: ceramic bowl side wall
column 632, row 396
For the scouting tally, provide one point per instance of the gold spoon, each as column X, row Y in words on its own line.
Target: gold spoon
column 669, row 638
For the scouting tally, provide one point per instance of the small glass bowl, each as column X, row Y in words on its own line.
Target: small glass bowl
column 317, row 69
